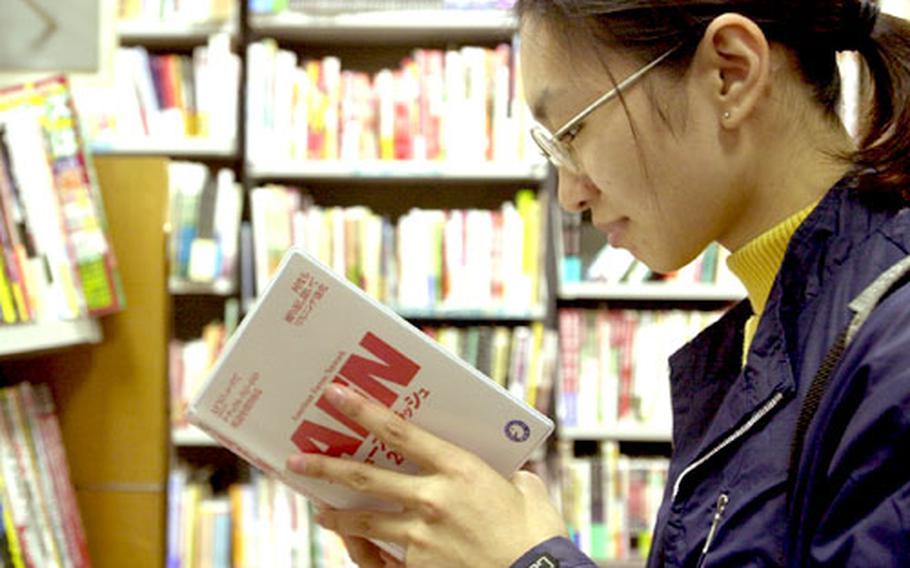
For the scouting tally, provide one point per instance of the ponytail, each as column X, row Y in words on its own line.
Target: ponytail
column 884, row 146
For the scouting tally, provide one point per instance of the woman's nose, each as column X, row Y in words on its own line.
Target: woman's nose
column 576, row 192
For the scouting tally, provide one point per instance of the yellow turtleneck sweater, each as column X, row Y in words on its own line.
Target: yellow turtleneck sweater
column 757, row 263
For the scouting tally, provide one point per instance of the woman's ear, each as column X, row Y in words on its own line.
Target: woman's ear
column 733, row 61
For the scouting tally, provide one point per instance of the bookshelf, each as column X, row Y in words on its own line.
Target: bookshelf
column 398, row 170
column 190, row 436
column 160, row 33
column 387, row 26
column 218, row 288
column 385, row 36
column 188, row 148
column 32, row 338
column 620, row 433
column 671, row 292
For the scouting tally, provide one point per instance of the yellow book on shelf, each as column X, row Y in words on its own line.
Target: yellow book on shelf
column 7, row 303
column 192, row 495
column 9, row 528
column 238, row 544
column 529, row 208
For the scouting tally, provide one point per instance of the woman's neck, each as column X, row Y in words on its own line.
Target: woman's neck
column 786, row 178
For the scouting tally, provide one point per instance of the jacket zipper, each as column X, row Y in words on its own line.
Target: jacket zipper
column 722, row 501
column 739, row 433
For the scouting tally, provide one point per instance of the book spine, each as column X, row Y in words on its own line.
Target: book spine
column 46, row 463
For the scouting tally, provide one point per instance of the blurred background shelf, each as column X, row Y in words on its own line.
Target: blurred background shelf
column 651, row 291
column 24, row 338
column 387, row 26
column 303, row 170
column 469, row 315
column 171, row 34
column 618, row 434
column 177, row 148
column 188, row 436
column 217, row 288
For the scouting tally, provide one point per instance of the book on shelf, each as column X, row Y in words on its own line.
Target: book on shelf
column 480, row 260
column 166, row 98
column 205, row 213
column 463, row 106
column 254, row 521
column 197, row 11
column 56, row 259
column 41, row 520
column 310, row 329
column 614, row 373
column 610, row 501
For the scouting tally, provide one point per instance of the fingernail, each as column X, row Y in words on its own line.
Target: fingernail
column 337, row 395
column 298, row 463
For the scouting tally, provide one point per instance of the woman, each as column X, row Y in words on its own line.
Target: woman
column 711, row 120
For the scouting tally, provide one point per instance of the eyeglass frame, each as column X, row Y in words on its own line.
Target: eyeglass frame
column 555, row 138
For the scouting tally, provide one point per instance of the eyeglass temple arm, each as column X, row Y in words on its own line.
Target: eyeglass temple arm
column 612, row 93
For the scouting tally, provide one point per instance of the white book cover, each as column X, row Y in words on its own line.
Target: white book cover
column 264, row 399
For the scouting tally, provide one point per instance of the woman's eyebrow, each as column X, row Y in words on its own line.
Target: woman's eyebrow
column 540, row 107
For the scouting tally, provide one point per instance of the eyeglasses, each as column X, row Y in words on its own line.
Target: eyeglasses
column 557, row 147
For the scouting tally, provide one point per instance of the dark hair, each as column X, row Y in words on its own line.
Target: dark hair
column 813, row 30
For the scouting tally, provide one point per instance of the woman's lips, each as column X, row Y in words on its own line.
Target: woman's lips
column 614, row 230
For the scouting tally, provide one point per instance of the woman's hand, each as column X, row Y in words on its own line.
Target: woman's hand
column 456, row 512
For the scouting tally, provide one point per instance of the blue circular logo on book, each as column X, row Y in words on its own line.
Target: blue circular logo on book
column 517, row 431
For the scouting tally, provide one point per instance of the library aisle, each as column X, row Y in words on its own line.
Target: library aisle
column 145, row 207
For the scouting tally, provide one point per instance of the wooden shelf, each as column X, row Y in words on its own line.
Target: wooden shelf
column 164, row 33
column 178, row 148
column 387, row 26
column 20, row 339
column 651, row 291
column 337, row 170
column 617, row 434
column 190, row 436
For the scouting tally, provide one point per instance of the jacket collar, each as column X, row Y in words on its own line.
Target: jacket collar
column 712, row 393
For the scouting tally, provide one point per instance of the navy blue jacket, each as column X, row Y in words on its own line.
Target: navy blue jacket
column 733, row 426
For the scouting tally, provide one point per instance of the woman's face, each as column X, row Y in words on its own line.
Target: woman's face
column 656, row 180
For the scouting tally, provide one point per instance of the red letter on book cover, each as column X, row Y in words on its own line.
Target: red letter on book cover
column 392, row 366
column 311, row 438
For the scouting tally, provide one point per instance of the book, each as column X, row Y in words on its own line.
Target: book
column 312, row 328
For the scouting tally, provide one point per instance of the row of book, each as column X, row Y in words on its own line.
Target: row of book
column 56, row 260
column 257, row 524
column 40, row 516
column 428, row 260
column 205, row 212
column 321, row 6
column 459, row 105
column 610, row 502
column 614, row 371
column 167, row 97
column 520, row 358
column 176, row 10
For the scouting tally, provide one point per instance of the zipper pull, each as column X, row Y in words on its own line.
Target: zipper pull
column 722, row 501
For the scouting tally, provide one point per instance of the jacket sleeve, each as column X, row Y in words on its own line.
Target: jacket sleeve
column 557, row 552
column 865, row 514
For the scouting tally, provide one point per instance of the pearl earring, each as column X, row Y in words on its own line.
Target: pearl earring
column 727, row 115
